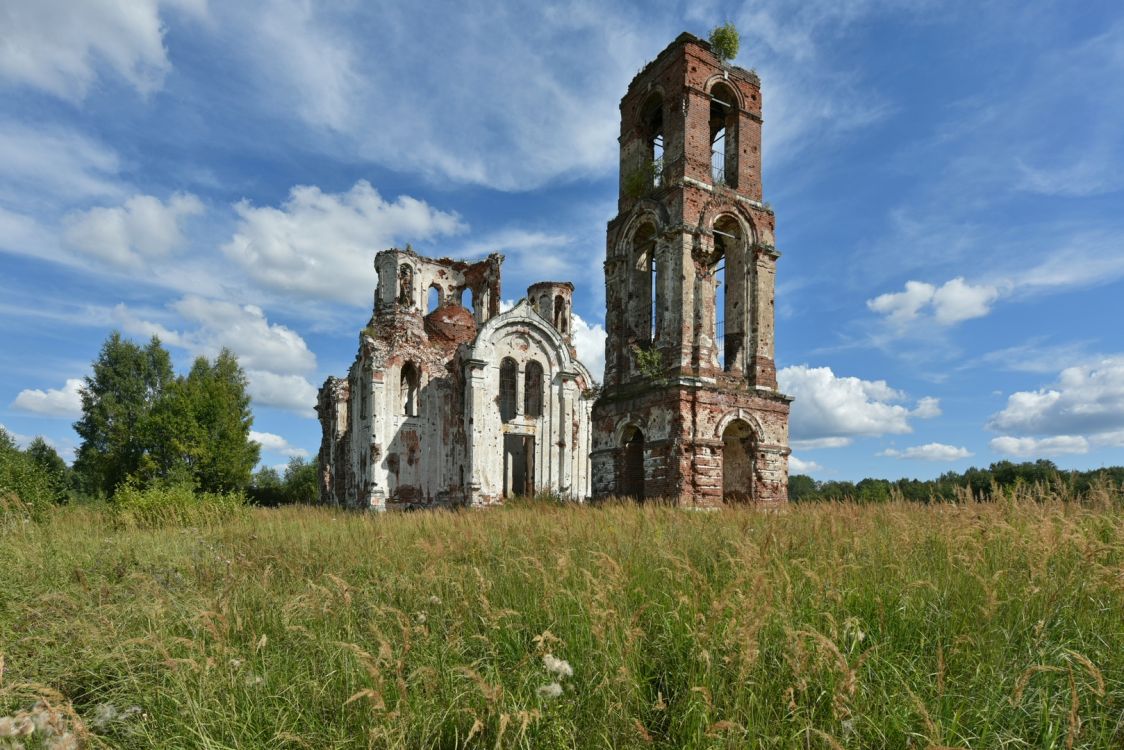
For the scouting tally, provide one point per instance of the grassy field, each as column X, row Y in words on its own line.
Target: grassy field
column 539, row 626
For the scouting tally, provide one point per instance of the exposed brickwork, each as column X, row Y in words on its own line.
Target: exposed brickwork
column 699, row 383
column 416, row 423
column 456, row 407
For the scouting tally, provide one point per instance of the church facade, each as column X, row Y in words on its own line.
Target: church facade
column 451, row 402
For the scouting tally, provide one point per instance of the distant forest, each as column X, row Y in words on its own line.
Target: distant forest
column 980, row 483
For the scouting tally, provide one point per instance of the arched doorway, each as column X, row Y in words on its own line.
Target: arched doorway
column 632, row 464
column 738, row 457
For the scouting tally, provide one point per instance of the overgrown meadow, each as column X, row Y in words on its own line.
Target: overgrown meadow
column 544, row 626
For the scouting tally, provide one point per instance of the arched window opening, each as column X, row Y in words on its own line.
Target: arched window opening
column 738, row 456
column 560, row 313
column 723, row 135
column 632, row 463
column 409, row 389
column 532, row 389
column 652, row 122
column 406, row 285
column 509, row 373
column 434, row 300
column 728, row 288
column 643, row 308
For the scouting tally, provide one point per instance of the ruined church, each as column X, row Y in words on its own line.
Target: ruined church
column 451, row 402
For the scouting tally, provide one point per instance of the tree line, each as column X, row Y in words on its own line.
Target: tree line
column 950, row 486
column 144, row 426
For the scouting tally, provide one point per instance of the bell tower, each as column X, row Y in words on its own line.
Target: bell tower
column 690, row 410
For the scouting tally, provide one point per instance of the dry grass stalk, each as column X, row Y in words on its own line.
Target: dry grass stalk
column 1024, row 679
column 1091, row 668
column 1074, row 713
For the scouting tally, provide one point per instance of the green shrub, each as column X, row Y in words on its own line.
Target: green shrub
column 25, row 488
column 642, row 180
column 724, row 41
column 174, row 504
column 649, row 361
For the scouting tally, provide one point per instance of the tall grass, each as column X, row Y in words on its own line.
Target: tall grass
column 549, row 626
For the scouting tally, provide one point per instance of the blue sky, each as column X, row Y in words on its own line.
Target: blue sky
column 948, row 180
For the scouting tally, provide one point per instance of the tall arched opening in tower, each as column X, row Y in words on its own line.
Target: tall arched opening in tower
column 738, row 457
column 643, row 309
column 632, row 469
column 729, row 270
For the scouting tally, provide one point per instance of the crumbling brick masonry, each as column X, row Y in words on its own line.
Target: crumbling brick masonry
column 690, row 409
column 447, row 406
column 451, row 406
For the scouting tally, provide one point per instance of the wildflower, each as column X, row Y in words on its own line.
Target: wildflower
column 553, row 690
column 419, row 618
column 235, row 663
column 434, row 599
column 557, row 666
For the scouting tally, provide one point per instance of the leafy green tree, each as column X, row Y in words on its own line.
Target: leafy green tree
column 116, row 400
column 25, row 487
column 724, row 41
column 47, row 458
column 301, row 483
column 801, row 487
column 266, row 487
column 200, row 428
column 872, row 491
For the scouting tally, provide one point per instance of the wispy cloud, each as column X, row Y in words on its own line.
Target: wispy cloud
column 60, row 47
column 929, row 452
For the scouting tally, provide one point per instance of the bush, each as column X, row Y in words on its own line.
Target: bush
column 25, row 488
column 724, row 41
column 178, row 504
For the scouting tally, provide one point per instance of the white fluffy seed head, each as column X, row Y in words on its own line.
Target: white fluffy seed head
column 553, row 690
column 557, row 666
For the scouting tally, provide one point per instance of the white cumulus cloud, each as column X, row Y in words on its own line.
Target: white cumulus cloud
column 589, row 340
column 930, row 452
column 53, row 402
column 953, row 302
column 958, row 300
column 144, row 227
column 1025, row 447
column 1087, row 399
column 275, row 357
column 322, row 245
column 800, row 466
column 904, row 305
column 292, row 392
column 832, row 407
column 276, row 444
